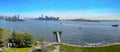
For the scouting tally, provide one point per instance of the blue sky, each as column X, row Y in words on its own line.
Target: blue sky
column 65, row 9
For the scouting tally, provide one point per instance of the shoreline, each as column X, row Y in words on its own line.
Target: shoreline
column 99, row 45
column 88, row 45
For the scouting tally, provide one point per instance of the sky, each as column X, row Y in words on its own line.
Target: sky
column 65, row 9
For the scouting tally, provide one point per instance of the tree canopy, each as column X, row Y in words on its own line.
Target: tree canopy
column 20, row 39
column 4, row 36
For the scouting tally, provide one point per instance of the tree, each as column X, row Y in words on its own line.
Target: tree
column 22, row 39
column 13, row 37
column 4, row 36
column 28, row 40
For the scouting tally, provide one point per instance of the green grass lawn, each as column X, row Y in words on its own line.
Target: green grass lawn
column 113, row 48
column 15, row 50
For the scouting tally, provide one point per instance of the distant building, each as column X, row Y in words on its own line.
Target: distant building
column 12, row 17
column 42, row 16
column 1, row 17
column 18, row 16
column 47, row 18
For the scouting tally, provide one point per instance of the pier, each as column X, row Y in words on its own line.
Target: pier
column 58, row 36
column 58, row 39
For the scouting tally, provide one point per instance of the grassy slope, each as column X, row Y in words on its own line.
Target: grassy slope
column 50, row 48
column 113, row 48
column 15, row 50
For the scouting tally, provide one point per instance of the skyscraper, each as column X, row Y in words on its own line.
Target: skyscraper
column 41, row 15
column 18, row 16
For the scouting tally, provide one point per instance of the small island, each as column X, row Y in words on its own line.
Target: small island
column 84, row 20
column 13, row 18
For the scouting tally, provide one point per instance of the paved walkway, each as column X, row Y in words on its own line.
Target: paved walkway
column 88, row 45
column 0, row 49
column 57, row 47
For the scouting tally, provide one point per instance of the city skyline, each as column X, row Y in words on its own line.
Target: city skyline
column 65, row 9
